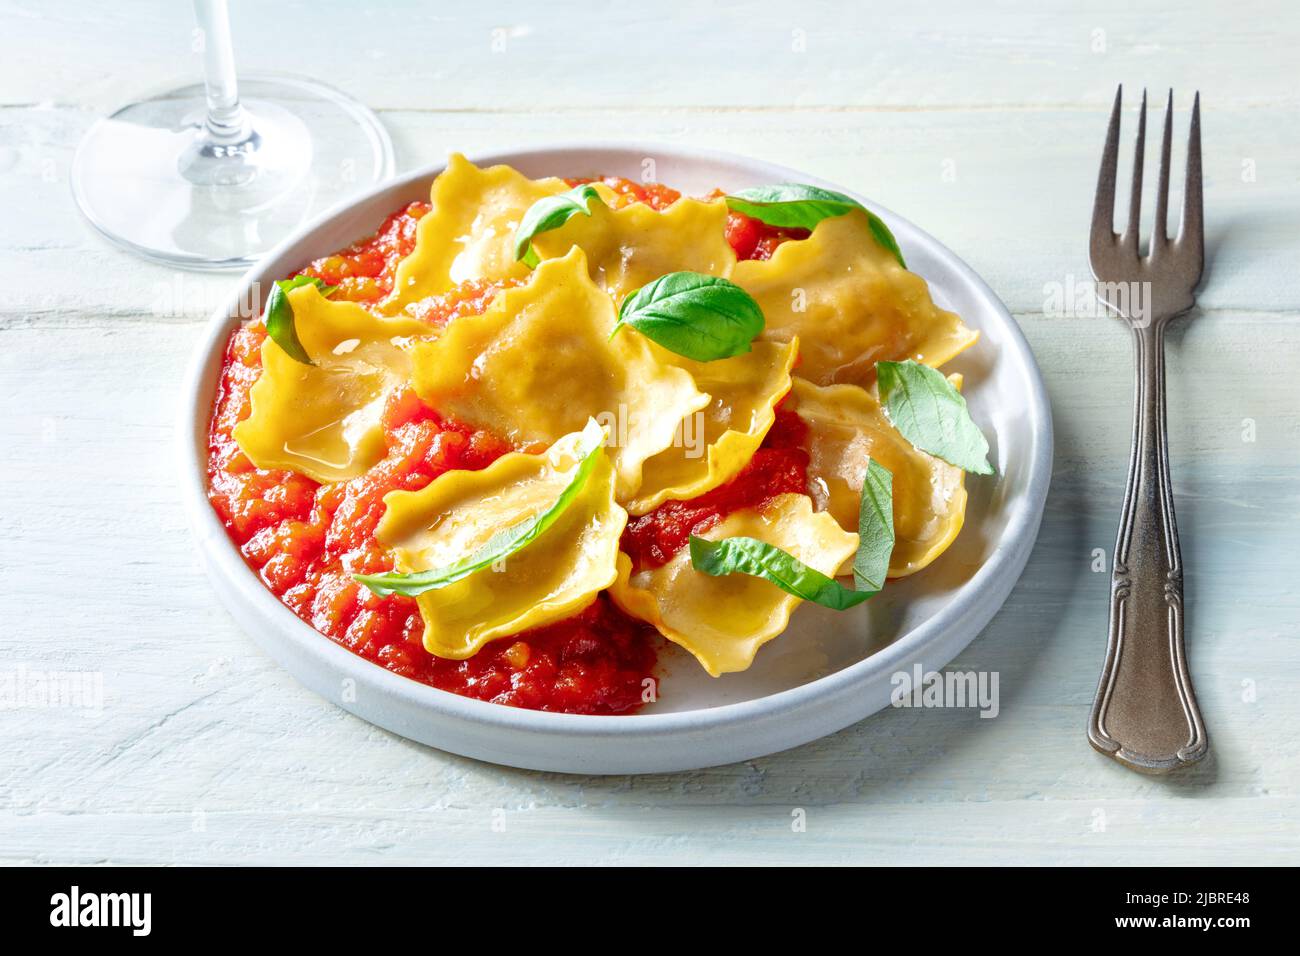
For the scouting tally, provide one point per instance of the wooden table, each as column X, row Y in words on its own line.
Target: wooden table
column 984, row 128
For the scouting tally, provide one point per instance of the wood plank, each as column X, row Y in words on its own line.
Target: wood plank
column 973, row 832
column 814, row 55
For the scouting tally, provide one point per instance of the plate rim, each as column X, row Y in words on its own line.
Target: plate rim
column 222, row 558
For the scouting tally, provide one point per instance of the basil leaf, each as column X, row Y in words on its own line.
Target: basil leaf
column 885, row 237
column 551, row 213
column 762, row 560
column 279, row 316
column 932, row 415
column 791, row 205
column 501, row 545
column 800, row 206
column 875, row 528
column 698, row 316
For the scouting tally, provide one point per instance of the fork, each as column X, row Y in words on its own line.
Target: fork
column 1145, row 713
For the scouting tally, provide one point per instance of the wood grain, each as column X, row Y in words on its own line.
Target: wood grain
column 985, row 130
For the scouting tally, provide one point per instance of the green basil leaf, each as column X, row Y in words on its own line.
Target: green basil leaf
column 925, row 408
column 762, row 560
column 551, row 213
column 501, row 545
column 791, row 205
column 698, row 316
column 875, row 528
column 279, row 316
column 800, row 206
column 885, row 237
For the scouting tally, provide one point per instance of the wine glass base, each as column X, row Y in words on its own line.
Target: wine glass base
column 143, row 179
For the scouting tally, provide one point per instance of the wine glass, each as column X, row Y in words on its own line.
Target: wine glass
column 213, row 175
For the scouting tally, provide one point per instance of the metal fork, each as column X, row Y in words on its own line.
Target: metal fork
column 1145, row 714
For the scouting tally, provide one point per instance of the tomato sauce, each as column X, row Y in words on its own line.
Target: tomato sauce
column 306, row 540
column 364, row 271
column 779, row 467
column 752, row 238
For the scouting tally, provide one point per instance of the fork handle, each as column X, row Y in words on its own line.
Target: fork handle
column 1145, row 714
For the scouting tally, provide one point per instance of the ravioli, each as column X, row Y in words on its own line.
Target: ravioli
column 723, row 621
column 323, row 420
column 469, row 233
column 717, row 442
column 529, row 355
column 551, row 578
column 850, row 303
column 628, row 247
column 539, row 362
column 846, row 426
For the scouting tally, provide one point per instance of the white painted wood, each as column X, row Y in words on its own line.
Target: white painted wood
column 984, row 128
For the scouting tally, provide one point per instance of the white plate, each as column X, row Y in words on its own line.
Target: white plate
column 827, row 671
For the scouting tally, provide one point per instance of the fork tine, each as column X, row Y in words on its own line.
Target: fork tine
column 1192, row 231
column 1159, row 234
column 1131, row 233
column 1103, row 210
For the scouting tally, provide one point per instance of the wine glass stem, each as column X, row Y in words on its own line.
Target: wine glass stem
column 227, row 120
